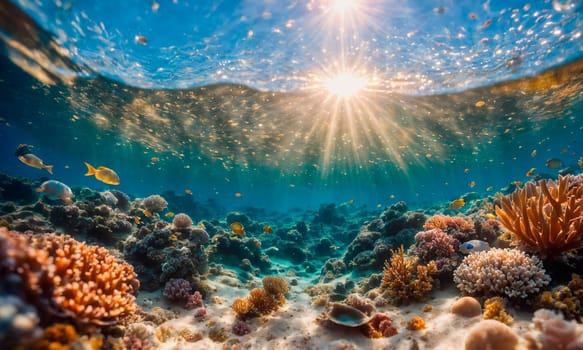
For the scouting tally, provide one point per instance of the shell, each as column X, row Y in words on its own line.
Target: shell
column 344, row 315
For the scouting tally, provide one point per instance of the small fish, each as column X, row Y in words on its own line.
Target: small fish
column 155, row 159
column 351, row 202
column 565, row 150
column 489, row 188
column 491, row 216
column 379, row 205
column 57, row 190
column 533, row 153
column 472, row 184
column 530, row 172
column 137, row 220
column 237, row 228
column 480, row 104
column 169, row 214
column 35, row 162
column 141, row 39
column 173, row 237
column 147, row 213
column 475, row 245
column 580, row 162
column 267, row 229
column 554, row 163
column 516, row 183
column 201, row 226
column 238, row 195
column 188, row 192
column 472, row 15
column 103, row 174
column 457, row 204
column 392, row 196
column 487, row 23
column 466, row 170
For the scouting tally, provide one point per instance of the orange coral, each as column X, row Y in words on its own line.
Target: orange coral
column 568, row 299
column 85, row 281
column 399, row 279
column 546, row 217
column 274, row 285
column 447, row 223
column 242, row 306
column 416, row 323
column 263, row 302
column 494, row 309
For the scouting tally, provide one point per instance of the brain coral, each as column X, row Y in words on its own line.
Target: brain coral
column 85, row 282
column 155, row 203
column 501, row 272
column 181, row 221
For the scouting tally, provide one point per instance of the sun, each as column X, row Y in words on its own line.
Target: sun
column 345, row 85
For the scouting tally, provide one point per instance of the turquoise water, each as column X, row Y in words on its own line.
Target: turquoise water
column 437, row 117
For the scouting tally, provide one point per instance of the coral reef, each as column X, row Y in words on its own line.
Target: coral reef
column 501, row 272
column 177, row 289
column 85, row 282
column 567, row 299
column 240, row 328
column 449, row 224
column 405, row 279
column 230, row 249
column 275, row 285
column 545, row 217
column 181, row 221
column 262, row 301
column 553, row 332
column 466, row 307
column 436, row 245
column 491, row 334
column 494, row 309
column 154, row 203
column 416, row 323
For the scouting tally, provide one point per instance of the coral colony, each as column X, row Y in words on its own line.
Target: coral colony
column 112, row 271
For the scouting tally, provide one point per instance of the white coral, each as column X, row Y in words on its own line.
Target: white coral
column 501, row 272
column 554, row 332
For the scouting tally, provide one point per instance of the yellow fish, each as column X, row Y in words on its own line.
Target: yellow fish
column 103, row 174
column 457, row 204
column 237, row 228
column 267, row 229
column 490, row 216
column 169, row 214
column 530, row 172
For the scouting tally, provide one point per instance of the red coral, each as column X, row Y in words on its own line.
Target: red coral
column 194, row 301
column 434, row 244
column 380, row 325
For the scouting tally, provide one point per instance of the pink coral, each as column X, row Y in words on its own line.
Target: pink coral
column 194, row 301
column 241, row 328
column 380, row 325
column 434, row 244
column 449, row 223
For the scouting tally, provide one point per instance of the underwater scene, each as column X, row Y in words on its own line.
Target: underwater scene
column 303, row 174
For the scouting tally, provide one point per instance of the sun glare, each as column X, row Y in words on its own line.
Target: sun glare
column 345, row 84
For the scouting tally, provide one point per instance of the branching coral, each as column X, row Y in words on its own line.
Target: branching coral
column 494, row 310
column 400, row 282
column 501, row 272
column 85, row 282
column 547, row 217
column 275, row 285
column 448, row 223
column 262, row 301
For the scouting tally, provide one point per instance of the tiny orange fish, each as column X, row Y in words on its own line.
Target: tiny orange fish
column 237, row 228
column 480, row 104
column 154, row 159
column 141, row 39
column 516, row 183
column 457, row 204
column 530, row 172
column 554, row 163
column 238, row 195
column 533, row 153
column 580, row 162
column 173, row 237
column 147, row 213
column 103, row 174
column 137, row 220
column 472, row 184
column 267, row 229
column 487, row 23
column 351, row 201
column 169, row 214
column 188, row 192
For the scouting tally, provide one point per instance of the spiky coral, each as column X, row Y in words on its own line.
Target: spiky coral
column 400, row 282
column 85, row 282
column 547, row 217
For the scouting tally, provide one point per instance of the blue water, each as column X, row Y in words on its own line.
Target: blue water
column 231, row 97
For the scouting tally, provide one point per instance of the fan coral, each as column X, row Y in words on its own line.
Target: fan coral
column 449, row 223
column 398, row 278
column 466, row 307
column 85, row 282
column 567, row 299
column 181, row 221
column 494, row 310
column 274, row 285
column 155, row 203
column 500, row 272
column 553, row 332
column 177, row 289
column 547, row 217
column 490, row 334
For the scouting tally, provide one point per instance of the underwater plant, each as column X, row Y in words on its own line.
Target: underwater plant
column 545, row 217
column 405, row 279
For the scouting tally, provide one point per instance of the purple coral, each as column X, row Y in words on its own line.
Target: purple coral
column 241, row 328
column 435, row 245
column 177, row 289
column 194, row 301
